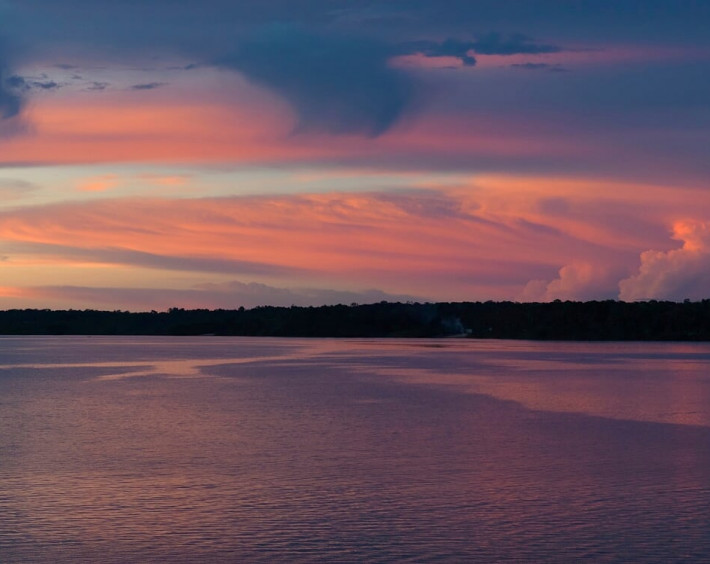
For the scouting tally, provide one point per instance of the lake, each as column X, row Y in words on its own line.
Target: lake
column 211, row 449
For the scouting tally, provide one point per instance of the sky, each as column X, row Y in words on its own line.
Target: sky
column 228, row 153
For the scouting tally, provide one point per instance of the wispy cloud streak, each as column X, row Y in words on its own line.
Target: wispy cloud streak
column 468, row 242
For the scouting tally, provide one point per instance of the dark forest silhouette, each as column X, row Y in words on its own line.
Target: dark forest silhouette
column 594, row 320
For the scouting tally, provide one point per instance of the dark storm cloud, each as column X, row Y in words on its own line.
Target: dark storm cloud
column 448, row 48
column 332, row 71
column 339, row 84
column 681, row 21
column 515, row 44
column 10, row 100
column 489, row 44
column 25, row 84
column 16, row 82
column 202, row 26
column 330, row 58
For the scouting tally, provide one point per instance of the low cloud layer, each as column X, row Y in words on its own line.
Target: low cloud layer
column 229, row 295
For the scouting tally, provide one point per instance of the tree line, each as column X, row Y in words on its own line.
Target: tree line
column 559, row 320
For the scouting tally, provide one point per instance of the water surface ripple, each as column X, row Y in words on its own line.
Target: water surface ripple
column 123, row 449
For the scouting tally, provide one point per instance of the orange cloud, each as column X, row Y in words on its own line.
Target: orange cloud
column 162, row 180
column 14, row 292
column 99, row 184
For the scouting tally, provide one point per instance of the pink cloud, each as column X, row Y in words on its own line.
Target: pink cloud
column 119, row 128
column 425, row 243
column 490, row 238
column 675, row 274
column 575, row 281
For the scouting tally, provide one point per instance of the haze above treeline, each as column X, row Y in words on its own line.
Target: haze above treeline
column 593, row 320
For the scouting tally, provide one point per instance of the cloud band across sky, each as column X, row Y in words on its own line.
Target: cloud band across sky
column 552, row 244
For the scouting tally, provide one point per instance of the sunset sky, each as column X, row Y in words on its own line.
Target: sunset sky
column 226, row 153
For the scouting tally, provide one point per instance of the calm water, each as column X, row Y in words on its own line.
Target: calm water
column 271, row 450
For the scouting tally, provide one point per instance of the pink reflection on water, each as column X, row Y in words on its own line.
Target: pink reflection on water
column 656, row 382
